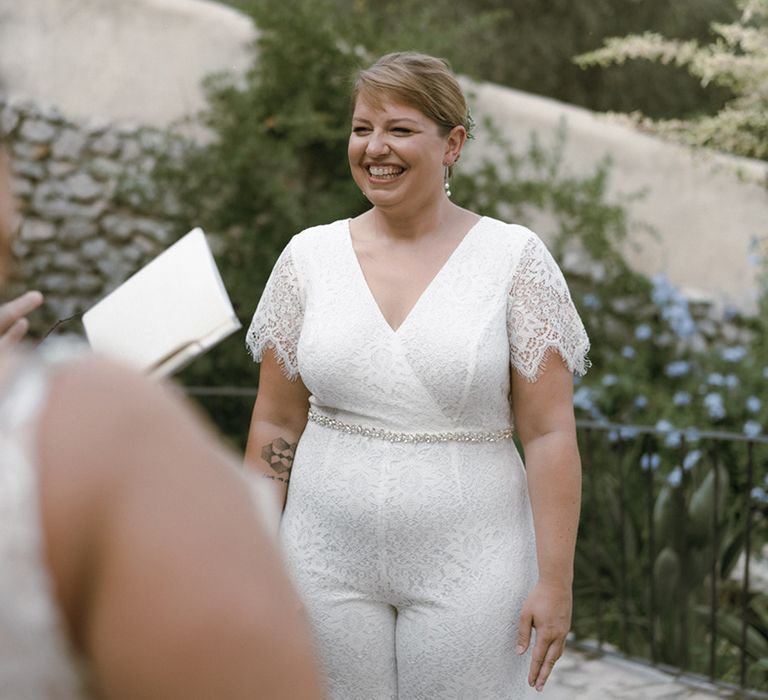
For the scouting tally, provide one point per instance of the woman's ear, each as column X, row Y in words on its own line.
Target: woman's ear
column 453, row 145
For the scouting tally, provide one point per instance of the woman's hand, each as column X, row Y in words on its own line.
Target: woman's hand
column 13, row 324
column 548, row 610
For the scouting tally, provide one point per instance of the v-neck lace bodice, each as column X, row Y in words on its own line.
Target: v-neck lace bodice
column 447, row 264
column 499, row 301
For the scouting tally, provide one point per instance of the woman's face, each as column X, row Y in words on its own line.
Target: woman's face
column 397, row 154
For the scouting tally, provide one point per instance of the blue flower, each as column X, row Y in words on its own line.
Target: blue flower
column 582, row 398
column 628, row 352
column 681, row 398
column 641, row 402
column 591, row 301
column 735, row 353
column 627, row 432
column 754, row 404
column 752, row 428
column 644, row 331
column 680, row 320
column 731, row 381
column 691, row 459
column 715, row 379
column 713, row 402
column 613, row 436
column 673, row 439
column 675, row 477
column 677, row 368
column 609, row 380
column 759, row 494
column 650, row 461
column 664, row 426
column 692, row 434
column 663, row 292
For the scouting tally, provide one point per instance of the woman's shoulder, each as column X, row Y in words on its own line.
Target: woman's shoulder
column 507, row 238
column 102, row 423
column 318, row 237
column 503, row 230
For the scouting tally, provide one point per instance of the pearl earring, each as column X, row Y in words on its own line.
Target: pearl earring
column 446, row 181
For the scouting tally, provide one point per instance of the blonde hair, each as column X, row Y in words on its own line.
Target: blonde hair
column 417, row 80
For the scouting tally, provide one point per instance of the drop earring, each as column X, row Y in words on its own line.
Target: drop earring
column 446, row 180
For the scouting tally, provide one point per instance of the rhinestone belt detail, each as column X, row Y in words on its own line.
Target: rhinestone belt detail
column 406, row 437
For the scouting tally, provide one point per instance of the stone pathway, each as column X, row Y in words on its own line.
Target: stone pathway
column 581, row 675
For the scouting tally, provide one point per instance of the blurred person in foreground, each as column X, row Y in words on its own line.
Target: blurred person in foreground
column 396, row 347
column 134, row 560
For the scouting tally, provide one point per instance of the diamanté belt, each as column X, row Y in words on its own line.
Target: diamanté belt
column 408, row 437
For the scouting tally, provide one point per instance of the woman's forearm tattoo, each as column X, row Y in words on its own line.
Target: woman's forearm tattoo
column 279, row 454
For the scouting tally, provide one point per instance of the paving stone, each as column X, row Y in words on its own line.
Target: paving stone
column 580, row 676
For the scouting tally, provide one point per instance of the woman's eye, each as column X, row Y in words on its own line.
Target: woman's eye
column 360, row 130
column 401, row 130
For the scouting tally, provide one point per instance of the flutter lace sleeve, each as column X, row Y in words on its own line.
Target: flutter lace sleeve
column 279, row 316
column 541, row 315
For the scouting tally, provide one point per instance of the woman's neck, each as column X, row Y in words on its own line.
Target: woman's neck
column 414, row 222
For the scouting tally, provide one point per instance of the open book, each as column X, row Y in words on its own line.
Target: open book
column 170, row 311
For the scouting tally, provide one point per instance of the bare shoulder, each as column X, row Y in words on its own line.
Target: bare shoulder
column 113, row 444
column 156, row 552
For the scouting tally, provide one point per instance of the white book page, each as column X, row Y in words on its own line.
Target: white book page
column 171, row 310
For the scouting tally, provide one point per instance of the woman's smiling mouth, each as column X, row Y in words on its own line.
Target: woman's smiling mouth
column 385, row 172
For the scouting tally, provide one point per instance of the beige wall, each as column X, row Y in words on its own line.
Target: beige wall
column 705, row 207
column 142, row 60
column 134, row 60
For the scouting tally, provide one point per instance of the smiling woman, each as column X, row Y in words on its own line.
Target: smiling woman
column 396, row 347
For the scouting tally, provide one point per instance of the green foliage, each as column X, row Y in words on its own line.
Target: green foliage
column 737, row 59
column 529, row 45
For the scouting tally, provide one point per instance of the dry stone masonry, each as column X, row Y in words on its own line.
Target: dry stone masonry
column 82, row 233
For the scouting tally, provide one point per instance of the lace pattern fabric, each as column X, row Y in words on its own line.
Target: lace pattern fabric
column 414, row 557
column 278, row 318
column 541, row 315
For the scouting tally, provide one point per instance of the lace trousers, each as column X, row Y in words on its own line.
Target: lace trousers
column 413, row 561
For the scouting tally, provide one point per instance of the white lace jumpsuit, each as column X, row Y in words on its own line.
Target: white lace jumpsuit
column 407, row 526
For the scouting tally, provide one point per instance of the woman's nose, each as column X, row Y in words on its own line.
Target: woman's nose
column 377, row 144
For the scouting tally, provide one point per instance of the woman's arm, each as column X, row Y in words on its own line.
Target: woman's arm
column 545, row 423
column 279, row 418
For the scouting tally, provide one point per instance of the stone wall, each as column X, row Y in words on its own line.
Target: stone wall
column 80, row 235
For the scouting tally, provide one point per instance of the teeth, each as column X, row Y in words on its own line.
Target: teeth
column 384, row 171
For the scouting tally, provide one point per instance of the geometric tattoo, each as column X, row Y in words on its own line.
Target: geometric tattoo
column 279, row 455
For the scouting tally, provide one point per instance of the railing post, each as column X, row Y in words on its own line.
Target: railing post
column 649, row 447
column 620, row 453
column 747, row 552
column 594, row 528
column 713, row 570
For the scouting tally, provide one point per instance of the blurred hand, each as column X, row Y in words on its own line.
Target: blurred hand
column 548, row 610
column 13, row 324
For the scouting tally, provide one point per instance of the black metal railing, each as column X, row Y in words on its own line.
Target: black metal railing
column 671, row 525
column 672, row 521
